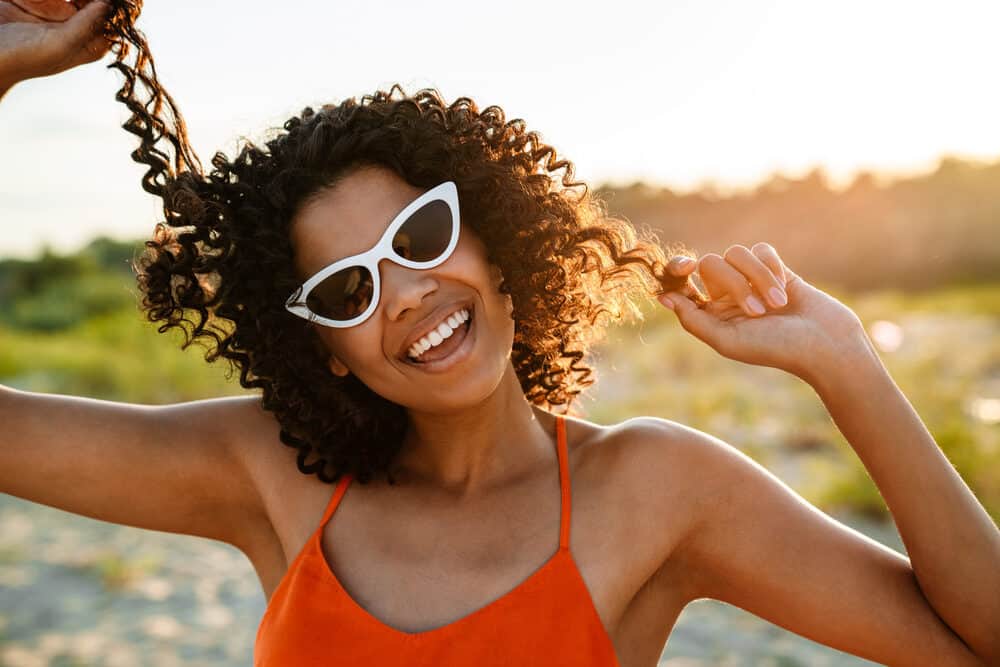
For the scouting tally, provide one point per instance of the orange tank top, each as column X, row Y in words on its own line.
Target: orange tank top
column 548, row 619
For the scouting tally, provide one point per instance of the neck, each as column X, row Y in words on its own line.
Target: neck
column 479, row 447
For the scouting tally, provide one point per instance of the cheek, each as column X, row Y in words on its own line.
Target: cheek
column 470, row 260
column 340, row 343
column 321, row 339
column 472, row 265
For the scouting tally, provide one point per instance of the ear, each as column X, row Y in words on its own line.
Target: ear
column 496, row 276
column 337, row 367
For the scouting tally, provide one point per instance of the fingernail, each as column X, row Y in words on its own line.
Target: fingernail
column 665, row 300
column 684, row 261
column 777, row 296
column 755, row 305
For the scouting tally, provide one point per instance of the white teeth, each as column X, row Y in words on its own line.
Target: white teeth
column 438, row 335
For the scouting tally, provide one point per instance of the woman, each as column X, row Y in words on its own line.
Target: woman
column 414, row 293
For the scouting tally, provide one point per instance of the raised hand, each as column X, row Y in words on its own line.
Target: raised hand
column 802, row 336
column 44, row 37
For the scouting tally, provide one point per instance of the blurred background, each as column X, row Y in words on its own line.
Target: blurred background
column 860, row 139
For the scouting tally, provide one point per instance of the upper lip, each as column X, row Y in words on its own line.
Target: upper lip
column 431, row 322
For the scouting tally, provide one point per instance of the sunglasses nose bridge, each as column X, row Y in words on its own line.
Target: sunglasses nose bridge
column 402, row 288
column 393, row 274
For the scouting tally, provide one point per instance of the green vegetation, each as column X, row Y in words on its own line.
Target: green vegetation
column 55, row 292
column 73, row 325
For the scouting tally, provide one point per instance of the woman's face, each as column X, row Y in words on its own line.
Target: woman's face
column 349, row 219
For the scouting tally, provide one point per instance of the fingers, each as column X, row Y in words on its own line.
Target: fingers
column 94, row 49
column 761, row 277
column 81, row 36
column 745, row 277
column 682, row 265
column 748, row 277
column 769, row 256
column 722, row 279
column 11, row 13
column 701, row 324
column 50, row 10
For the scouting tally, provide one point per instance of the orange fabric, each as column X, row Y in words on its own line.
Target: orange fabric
column 548, row 619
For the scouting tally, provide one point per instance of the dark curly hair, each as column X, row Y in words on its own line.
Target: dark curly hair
column 220, row 266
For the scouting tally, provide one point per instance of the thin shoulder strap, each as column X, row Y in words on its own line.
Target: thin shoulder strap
column 564, row 488
column 338, row 493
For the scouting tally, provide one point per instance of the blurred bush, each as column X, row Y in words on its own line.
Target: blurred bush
column 919, row 232
column 56, row 292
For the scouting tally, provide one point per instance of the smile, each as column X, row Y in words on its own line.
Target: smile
column 450, row 351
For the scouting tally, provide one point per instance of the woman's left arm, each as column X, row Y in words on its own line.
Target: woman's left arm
column 952, row 543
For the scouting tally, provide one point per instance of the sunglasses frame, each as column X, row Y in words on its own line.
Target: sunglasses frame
column 370, row 259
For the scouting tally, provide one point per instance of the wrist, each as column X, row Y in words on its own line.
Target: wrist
column 842, row 363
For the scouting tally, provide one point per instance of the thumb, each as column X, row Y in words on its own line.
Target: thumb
column 76, row 32
column 694, row 320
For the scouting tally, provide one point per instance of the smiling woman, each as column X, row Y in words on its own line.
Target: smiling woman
column 327, row 187
column 414, row 288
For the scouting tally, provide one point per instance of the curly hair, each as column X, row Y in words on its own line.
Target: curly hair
column 219, row 267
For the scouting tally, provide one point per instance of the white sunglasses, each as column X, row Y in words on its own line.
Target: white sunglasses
column 346, row 293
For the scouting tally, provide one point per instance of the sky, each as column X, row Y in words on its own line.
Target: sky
column 678, row 93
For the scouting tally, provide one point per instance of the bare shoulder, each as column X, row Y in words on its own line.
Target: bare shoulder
column 666, row 478
column 748, row 539
column 651, row 460
column 291, row 502
column 251, row 435
column 254, row 435
column 269, row 463
column 671, row 463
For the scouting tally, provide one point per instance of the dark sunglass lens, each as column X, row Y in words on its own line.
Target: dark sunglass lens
column 425, row 234
column 343, row 295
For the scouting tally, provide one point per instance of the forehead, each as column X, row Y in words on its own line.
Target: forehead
column 349, row 217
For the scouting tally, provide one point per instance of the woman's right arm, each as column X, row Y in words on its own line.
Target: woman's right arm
column 172, row 468
column 176, row 468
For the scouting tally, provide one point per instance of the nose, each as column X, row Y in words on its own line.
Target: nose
column 404, row 288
